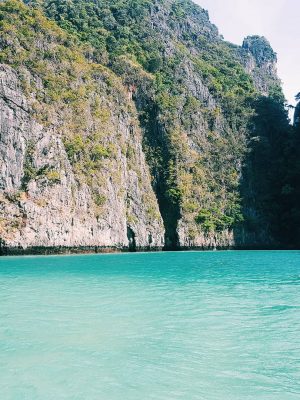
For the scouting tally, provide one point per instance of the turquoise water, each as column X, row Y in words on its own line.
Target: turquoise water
column 163, row 326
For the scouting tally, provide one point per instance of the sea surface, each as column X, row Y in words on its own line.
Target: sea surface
column 161, row 326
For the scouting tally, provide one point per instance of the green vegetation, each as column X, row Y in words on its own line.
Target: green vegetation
column 124, row 29
column 70, row 87
column 53, row 176
column 268, row 169
column 99, row 199
column 214, row 220
column 121, row 29
column 275, row 168
column 209, row 137
column 30, row 172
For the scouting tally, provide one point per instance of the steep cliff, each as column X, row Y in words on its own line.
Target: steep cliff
column 130, row 125
column 260, row 62
column 73, row 173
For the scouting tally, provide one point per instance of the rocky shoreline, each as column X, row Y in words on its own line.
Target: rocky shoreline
column 61, row 250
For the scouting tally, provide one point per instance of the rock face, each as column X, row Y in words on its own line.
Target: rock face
column 56, row 209
column 132, row 134
column 260, row 62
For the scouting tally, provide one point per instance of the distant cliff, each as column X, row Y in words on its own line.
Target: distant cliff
column 132, row 125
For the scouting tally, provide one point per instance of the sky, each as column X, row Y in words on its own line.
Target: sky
column 277, row 20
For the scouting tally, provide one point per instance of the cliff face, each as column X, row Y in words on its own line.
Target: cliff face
column 73, row 173
column 129, row 126
column 260, row 61
column 56, row 206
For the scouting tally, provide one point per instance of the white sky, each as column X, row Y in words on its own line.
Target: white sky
column 277, row 20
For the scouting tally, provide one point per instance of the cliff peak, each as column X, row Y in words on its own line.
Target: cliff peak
column 260, row 61
column 259, row 47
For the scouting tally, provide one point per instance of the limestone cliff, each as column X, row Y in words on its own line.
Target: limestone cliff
column 127, row 125
column 73, row 173
column 260, row 62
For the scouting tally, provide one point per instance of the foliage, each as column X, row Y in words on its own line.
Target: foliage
column 30, row 172
column 99, row 199
column 53, row 176
column 214, row 219
column 120, row 28
column 61, row 81
column 196, row 103
column 267, row 168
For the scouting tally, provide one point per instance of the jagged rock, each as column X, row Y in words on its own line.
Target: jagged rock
column 260, row 62
column 61, row 212
column 127, row 153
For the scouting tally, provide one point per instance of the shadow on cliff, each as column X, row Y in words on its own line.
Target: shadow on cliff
column 159, row 159
column 271, row 176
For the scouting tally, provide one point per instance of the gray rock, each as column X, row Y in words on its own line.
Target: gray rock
column 60, row 211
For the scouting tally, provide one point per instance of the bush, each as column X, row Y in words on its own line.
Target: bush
column 99, row 199
column 74, row 147
column 214, row 219
column 53, row 176
column 99, row 152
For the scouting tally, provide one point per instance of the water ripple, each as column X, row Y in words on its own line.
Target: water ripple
column 185, row 326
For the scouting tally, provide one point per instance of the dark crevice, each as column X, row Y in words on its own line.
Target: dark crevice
column 131, row 239
column 3, row 248
column 156, row 147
